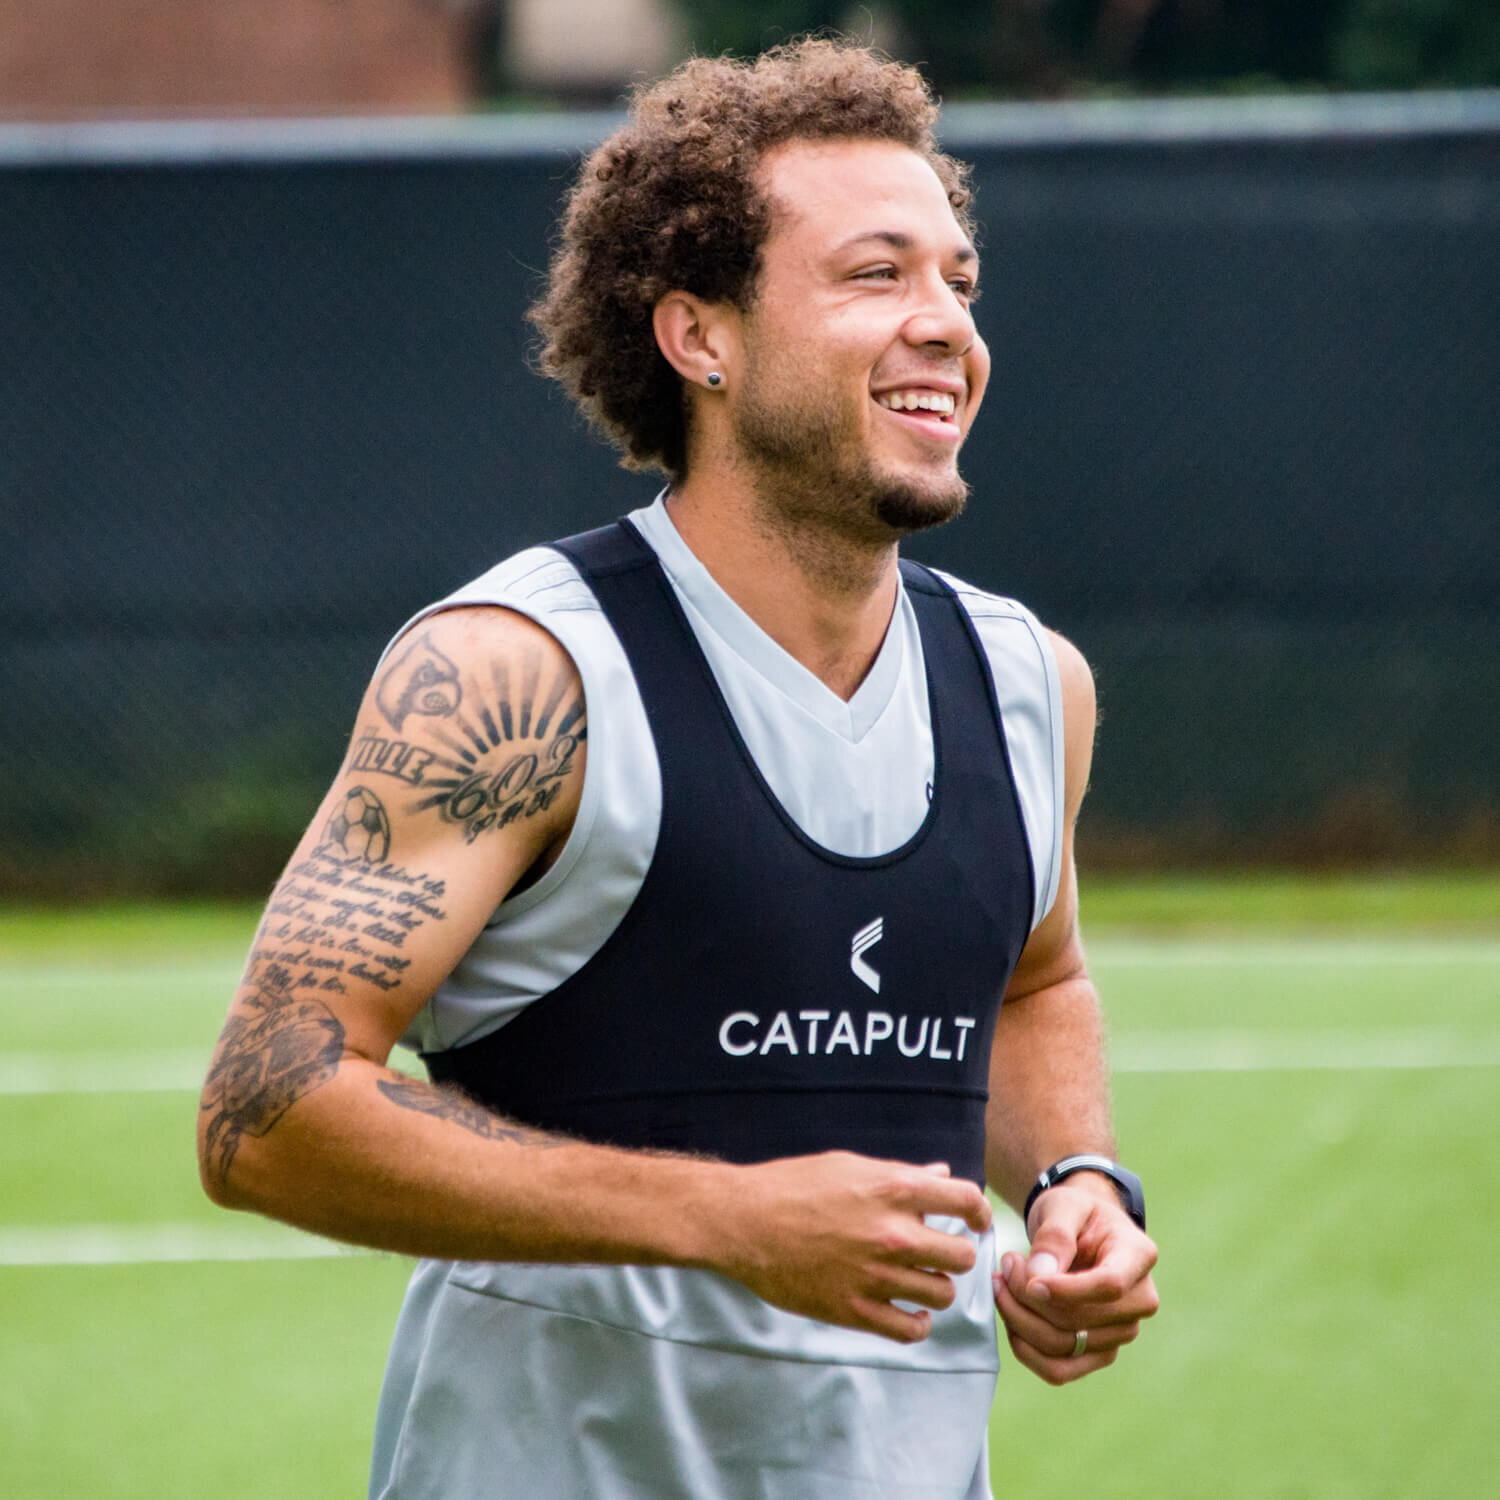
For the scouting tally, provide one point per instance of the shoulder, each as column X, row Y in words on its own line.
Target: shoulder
column 1003, row 622
column 1075, row 677
column 981, row 604
column 538, row 583
column 472, row 678
column 538, row 579
column 531, row 601
column 480, row 712
column 483, row 675
column 1030, row 660
column 1019, row 647
column 436, row 650
column 1080, row 716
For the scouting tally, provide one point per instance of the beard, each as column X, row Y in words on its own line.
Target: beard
column 811, row 465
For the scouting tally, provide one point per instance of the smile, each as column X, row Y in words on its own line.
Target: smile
column 925, row 413
column 940, row 403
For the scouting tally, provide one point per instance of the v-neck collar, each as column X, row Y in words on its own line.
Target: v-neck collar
column 739, row 633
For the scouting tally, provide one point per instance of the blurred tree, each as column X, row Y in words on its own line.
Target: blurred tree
column 1037, row 48
column 961, row 45
column 746, row 27
column 1164, row 44
column 1417, row 43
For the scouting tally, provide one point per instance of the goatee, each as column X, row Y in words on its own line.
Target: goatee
column 906, row 508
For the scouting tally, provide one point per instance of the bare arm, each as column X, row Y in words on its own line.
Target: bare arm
column 1089, row 1266
column 1049, row 1090
column 462, row 783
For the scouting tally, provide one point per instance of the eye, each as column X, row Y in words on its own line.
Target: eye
column 965, row 288
column 876, row 273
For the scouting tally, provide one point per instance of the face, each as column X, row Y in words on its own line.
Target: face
column 861, row 368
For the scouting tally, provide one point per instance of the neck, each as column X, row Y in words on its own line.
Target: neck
column 824, row 597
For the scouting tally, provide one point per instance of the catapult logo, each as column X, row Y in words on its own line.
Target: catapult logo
column 865, row 939
column 873, row 1033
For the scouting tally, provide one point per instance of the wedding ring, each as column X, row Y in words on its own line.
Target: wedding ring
column 1080, row 1342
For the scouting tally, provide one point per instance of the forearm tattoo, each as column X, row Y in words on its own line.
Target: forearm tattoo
column 342, row 914
column 450, row 1104
column 276, row 1048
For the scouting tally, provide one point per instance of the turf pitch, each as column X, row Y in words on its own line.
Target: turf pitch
column 1308, row 1079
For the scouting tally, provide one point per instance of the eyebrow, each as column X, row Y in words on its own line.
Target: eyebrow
column 899, row 241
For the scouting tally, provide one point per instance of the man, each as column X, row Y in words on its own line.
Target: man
column 695, row 855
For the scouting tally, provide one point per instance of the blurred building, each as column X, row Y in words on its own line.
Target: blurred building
column 81, row 59
column 588, row 48
column 71, row 59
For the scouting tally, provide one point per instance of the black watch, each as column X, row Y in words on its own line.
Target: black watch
column 1127, row 1184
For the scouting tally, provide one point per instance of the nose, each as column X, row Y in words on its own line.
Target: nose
column 941, row 322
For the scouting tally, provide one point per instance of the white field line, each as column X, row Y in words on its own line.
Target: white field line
column 1300, row 1051
column 102, row 1072
column 138, row 1244
column 20, row 977
column 124, row 1072
column 1292, row 952
column 1238, row 1051
column 23, row 976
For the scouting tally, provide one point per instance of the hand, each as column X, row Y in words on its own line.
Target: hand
column 840, row 1238
column 1089, row 1269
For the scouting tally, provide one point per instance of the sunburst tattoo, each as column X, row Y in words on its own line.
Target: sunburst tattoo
column 509, row 754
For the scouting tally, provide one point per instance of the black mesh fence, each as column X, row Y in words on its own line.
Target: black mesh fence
column 1241, row 444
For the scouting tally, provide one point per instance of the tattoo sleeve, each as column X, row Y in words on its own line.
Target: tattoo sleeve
column 501, row 750
column 342, row 914
column 450, row 1104
column 476, row 747
column 276, row 1048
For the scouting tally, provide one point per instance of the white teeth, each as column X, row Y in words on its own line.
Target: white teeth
column 933, row 401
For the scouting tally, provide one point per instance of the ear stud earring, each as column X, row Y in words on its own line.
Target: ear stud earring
column 715, row 379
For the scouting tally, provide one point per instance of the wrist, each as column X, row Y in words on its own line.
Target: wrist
column 1094, row 1183
column 705, row 1233
column 1089, row 1184
column 1097, row 1174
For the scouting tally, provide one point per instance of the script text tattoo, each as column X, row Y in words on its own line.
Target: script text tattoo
column 335, row 918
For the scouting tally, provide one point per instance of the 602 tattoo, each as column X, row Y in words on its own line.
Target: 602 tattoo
column 506, row 756
column 526, row 784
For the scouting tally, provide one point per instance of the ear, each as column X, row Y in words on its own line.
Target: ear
column 696, row 338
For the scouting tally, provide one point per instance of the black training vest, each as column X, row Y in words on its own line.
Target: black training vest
column 764, row 997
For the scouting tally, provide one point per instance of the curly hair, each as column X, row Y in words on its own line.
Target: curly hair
column 670, row 202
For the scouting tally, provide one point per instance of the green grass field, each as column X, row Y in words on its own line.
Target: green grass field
column 1308, row 1079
